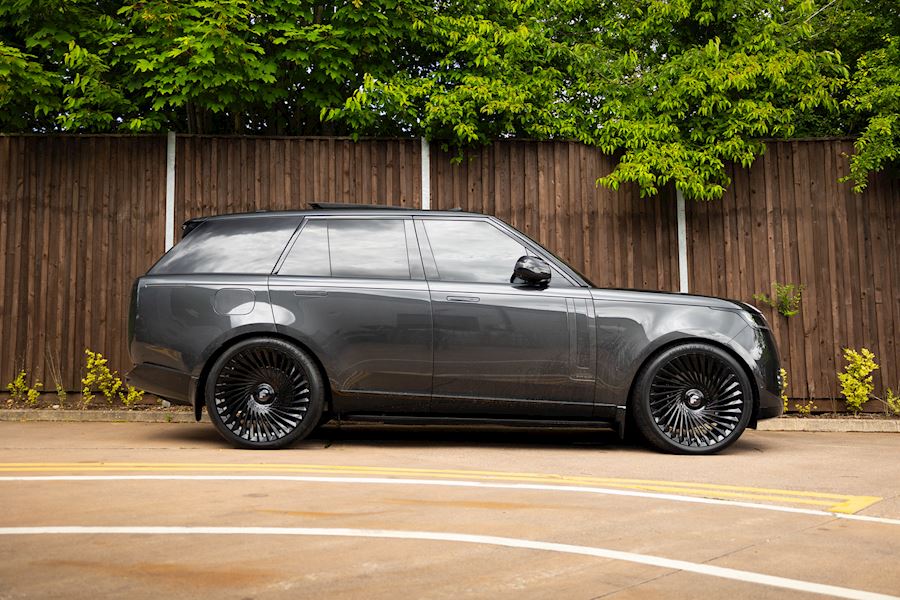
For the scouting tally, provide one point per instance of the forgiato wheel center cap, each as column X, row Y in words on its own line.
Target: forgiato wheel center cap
column 694, row 398
column 264, row 394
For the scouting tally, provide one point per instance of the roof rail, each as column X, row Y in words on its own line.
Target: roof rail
column 350, row 206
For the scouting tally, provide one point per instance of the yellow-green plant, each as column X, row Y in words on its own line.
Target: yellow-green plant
column 856, row 380
column 53, row 367
column 98, row 377
column 893, row 402
column 784, row 387
column 786, row 299
column 131, row 396
column 19, row 391
column 804, row 410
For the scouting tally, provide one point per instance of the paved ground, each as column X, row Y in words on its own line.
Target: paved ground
column 162, row 510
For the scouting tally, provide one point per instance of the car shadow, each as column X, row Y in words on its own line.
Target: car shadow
column 203, row 435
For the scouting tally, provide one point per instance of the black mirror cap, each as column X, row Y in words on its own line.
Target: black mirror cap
column 531, row 270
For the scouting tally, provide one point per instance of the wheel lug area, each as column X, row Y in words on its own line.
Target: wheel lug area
column 694, row 398
column 264, row 394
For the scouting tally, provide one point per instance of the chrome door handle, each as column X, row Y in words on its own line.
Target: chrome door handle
column 310, row 293
column 463, row 299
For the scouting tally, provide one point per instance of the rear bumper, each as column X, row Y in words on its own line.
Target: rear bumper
column 164, row 382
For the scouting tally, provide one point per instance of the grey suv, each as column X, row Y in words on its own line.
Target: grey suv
column 276, row 321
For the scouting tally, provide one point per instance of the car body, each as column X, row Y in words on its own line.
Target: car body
column 409, row 316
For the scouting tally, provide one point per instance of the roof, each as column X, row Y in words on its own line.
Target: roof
column 339, row 209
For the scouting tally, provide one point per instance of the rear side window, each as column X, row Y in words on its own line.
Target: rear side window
column 369, row 248
column 250, row 246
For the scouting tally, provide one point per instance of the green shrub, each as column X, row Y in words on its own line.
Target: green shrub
column 893, row 402
column 98, row 377
column 786, row 299
column 784, row 387
column 19, row 392
column 856, row 380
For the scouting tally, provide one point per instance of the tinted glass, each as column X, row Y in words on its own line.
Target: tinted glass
column 309, row 255
column 368, row 248
column 250, row 245
column 473, row 251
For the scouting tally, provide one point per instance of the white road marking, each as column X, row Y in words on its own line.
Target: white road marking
column 644, row 559
column 460, row 483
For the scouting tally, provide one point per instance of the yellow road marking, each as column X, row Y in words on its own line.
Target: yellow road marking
column 841, row 503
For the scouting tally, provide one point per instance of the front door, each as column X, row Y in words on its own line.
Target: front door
column 501, row 348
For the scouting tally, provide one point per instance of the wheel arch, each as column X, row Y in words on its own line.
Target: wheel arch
column 197, row 398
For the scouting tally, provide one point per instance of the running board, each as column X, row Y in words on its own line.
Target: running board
column 471, row 421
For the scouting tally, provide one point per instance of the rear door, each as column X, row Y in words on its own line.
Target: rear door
column 500, row 348
column 353, row 290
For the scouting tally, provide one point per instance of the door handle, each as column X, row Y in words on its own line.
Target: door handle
column 463, row 299
column 310, row 293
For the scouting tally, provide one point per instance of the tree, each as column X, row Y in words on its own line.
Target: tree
column 678, row 88
column 675, row 88
column 867, row 34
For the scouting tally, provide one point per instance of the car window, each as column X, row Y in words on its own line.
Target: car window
column 245, row 245
column 370, row 248
column 472, row 251
column 309, row 255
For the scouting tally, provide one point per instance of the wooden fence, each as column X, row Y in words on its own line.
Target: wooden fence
column 80, row 217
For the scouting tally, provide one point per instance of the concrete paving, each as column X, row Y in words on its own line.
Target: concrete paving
column 440, row 513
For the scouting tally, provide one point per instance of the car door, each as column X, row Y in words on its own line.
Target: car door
column 353, row 290
column 502, row 348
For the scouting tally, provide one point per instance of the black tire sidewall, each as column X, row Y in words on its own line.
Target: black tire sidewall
column 316, row 395
column 640, row 401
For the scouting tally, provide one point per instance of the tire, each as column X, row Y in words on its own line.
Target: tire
column 264, row 394
column 692, row 399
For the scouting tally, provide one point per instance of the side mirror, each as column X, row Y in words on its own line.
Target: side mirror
column 531, row 270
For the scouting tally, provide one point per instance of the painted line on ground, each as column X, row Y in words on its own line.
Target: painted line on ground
column 835, row 503
column 643, row 559
column 454, row 483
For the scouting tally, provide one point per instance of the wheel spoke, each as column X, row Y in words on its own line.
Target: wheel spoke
column 696, row 399
column 262, row 394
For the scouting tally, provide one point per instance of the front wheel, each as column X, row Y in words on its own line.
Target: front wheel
column 264, row 394
column 692, row 399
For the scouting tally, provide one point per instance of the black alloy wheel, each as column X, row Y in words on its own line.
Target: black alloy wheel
column 692, row 399
column 264, row 394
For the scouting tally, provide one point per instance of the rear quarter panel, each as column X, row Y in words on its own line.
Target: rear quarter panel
column 181, row 320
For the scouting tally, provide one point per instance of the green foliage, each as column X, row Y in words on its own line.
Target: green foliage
column 784, row 387
column 676, row 89
column 867, row 34
column 20, row 392
column 805, row 409
column 892, row 401
column 56, row 375
column 856, row 380
column 786, row 299
column 98, row 377
column 875, row 90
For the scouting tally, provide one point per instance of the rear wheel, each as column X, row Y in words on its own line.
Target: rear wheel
column 264, row 393
column 692, row 399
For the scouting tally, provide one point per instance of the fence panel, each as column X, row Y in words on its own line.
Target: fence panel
column 548, row 190
column 80, row 218
column 788, row 219
column 216, row 175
